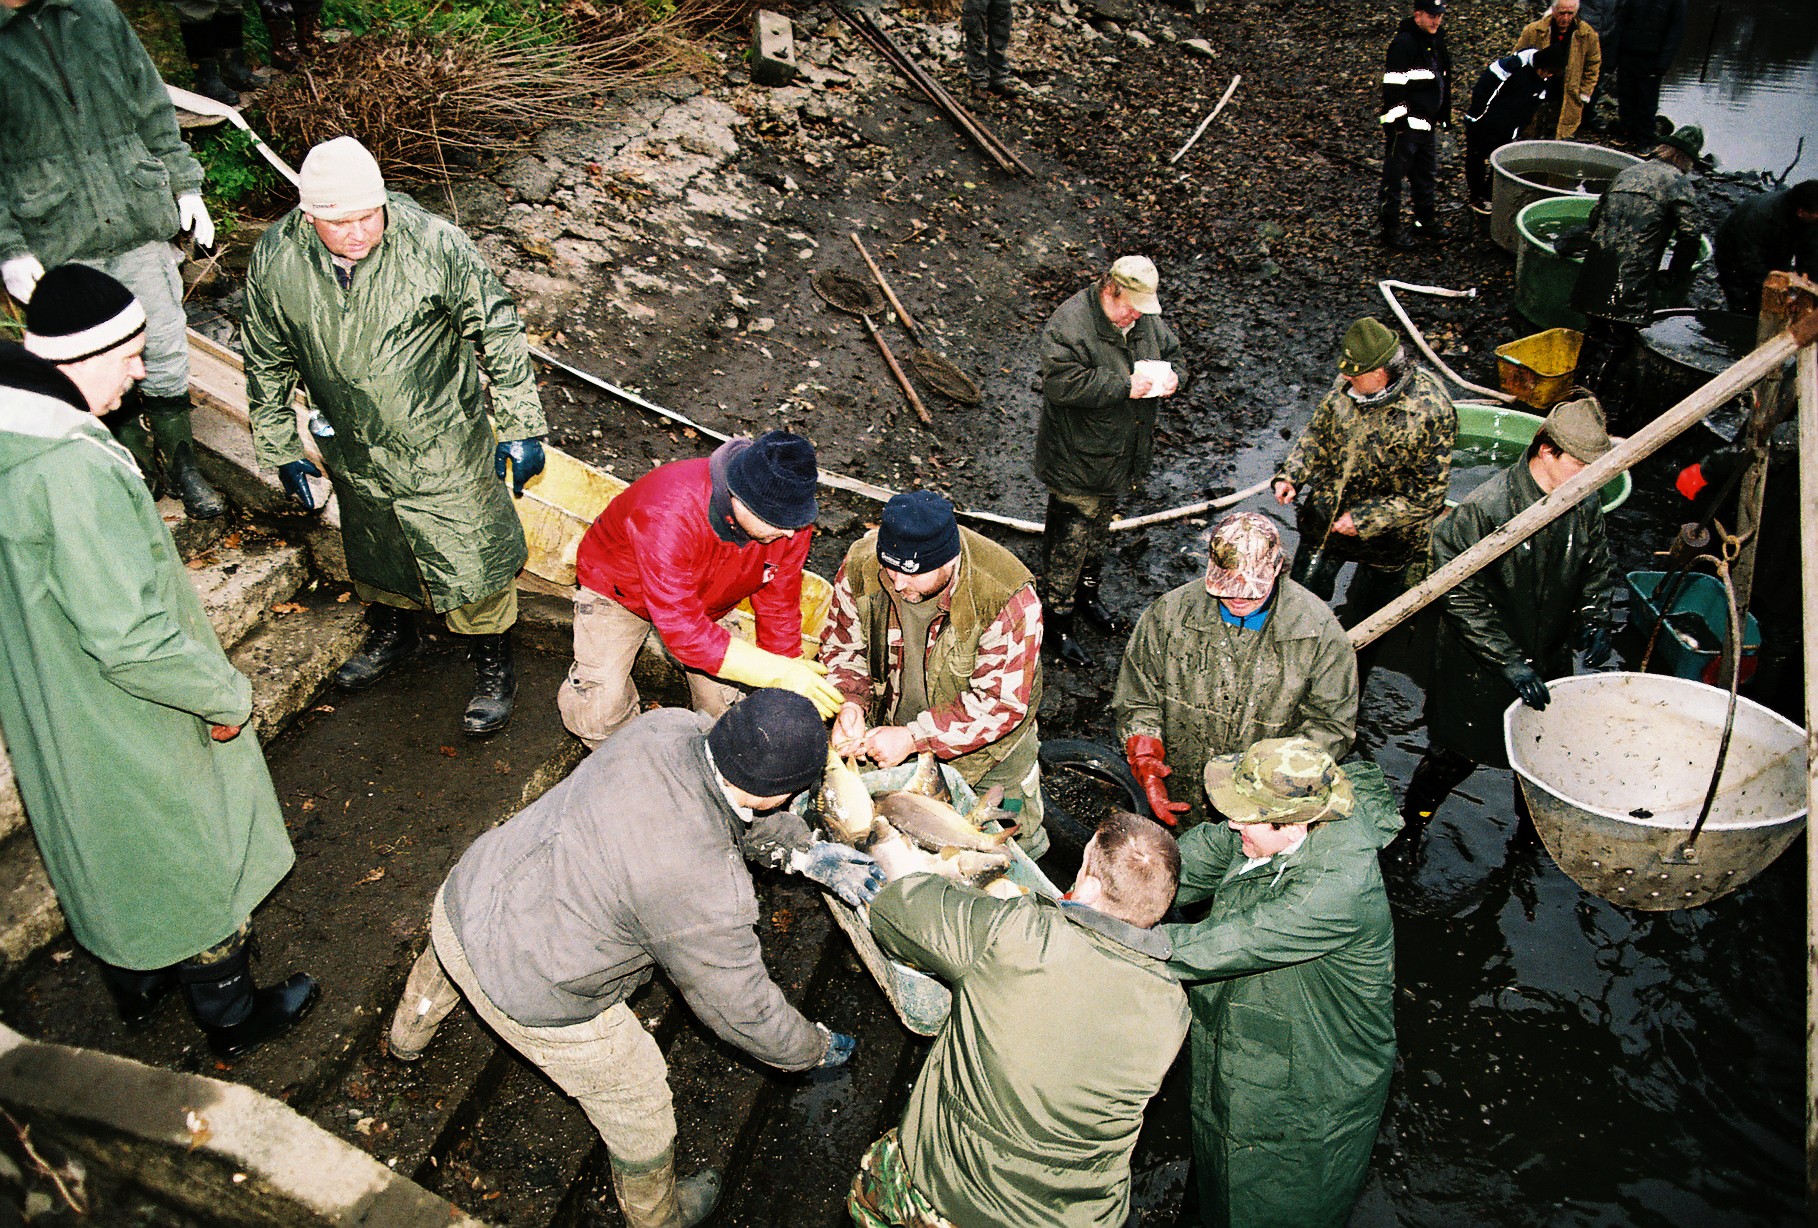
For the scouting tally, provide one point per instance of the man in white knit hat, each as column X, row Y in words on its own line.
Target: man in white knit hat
column 386, row 314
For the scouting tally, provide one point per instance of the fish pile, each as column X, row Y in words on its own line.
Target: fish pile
column 917, row 830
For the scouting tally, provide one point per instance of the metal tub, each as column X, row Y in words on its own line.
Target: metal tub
column 1615, row 771
column 1527, row 171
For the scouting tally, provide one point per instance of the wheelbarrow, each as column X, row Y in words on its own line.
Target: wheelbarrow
column 920, row 1001
column 1615, row 771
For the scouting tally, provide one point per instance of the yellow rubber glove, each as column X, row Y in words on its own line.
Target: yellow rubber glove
column 750, row 665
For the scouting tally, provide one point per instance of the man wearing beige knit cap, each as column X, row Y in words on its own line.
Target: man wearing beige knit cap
column 386, row 314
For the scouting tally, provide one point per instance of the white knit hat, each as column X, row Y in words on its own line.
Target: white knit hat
column 339, row 179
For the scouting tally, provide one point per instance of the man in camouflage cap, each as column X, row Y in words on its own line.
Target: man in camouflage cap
column 1222, row 662
column 1292, row 969
column 1646, row 207
column 1514, row 624
column 1372, row 466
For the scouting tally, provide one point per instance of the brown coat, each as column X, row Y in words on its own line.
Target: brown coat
column 1584, row 64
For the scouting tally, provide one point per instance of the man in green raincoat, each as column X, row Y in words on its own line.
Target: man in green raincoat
column 1291, row 979
column 153, row 810
column 1219, row 663
column 386, row 315
column 1515, row 623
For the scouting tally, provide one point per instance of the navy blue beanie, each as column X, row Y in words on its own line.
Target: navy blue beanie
column 771, row 742
column 775, row 478
column 918, row 533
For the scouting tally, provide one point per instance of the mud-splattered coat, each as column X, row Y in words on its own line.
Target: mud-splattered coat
column 1525, row 606
column 1647, row 206
column 1094, row 439
column 393, row 364
column 1291, row 980
column 1387, row 464
column 1205, row 687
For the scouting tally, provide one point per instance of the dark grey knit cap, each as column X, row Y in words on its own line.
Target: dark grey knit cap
column 771, row 742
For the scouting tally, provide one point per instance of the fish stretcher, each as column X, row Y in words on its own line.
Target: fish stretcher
column 919, row 1000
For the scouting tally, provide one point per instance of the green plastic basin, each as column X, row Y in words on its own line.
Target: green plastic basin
column 1491, row 438
column 1544, row 279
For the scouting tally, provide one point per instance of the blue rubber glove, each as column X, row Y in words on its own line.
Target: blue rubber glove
column 525, row 457
column 848, row 873
column 1594, row 642
column 840, row 1048
column 1528, row 685
column 295, row 476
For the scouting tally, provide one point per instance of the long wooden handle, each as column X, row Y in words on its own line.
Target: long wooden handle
column 915, row 402
column 1624, row 456
column 877, row 274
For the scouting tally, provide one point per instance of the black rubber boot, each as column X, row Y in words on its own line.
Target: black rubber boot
column 235, row 1015
column 170, row 430
column 130, row 427
column 229, row 31
column 138, row 995
column 1086, row 601
column 495, row 686
column 1058, row 643
column 285, row 53
column 391, row 639
column 199, row 44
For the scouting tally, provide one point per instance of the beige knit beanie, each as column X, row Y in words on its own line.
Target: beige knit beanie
column 339, row 179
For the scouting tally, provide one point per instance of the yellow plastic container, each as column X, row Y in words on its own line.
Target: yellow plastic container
column 1538, row 370
column 559, row 504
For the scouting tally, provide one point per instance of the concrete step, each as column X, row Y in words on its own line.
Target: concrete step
column 291, row 653
column 242, row 576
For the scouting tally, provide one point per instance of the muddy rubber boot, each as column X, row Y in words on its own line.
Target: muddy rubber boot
column 309, row 35
column 235, row 1015
column 651, row 1197
column 170, row 430
column 1086, row 601
column 391, row 639
column 199, row 45
column 229, row 30
column 495, row 686
column 130, row 427
column 428, row 997
column 138, row 995
column 286, row 55
column 1058, row 643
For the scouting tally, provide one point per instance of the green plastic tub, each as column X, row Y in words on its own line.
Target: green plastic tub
column 1692, row 637
column 1491, row 437
column 1544, row 279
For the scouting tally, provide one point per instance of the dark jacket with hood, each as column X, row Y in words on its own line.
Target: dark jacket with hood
column 1416, row 81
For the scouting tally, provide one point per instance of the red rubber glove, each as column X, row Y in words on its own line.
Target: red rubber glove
column 1146, row 760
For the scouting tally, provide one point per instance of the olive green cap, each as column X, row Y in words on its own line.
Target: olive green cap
column 1280, row 780
column 1688, row 139
column 1368, row 345
column 1578, row 428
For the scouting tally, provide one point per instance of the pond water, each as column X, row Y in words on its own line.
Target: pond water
column 1747, row 72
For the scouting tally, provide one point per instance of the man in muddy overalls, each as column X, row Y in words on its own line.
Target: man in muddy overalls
column 552, row 920
column 1373, row 465
column 935, row 634
column 1514, row 624
column 1291, row 978
column 386, row 314
column 1223, row 662
column 1646, row 207
column 1029, row 1104
column 1107, row 360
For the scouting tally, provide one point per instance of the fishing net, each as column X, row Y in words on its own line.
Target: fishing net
column 945, row 378
column 848, row 293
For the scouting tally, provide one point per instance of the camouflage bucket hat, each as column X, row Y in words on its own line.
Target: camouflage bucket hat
column 1245, row 557
column 1281, row 780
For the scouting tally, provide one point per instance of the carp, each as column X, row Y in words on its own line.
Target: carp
column 845, row 802
column 898, row 856
column 936, row 826
column 929, row 780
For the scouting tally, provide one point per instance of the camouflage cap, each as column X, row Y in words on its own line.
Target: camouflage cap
column 1578, row 428
column 1368, row 345
column 1688, row 139
column 1245, row 557
column 1281, row 780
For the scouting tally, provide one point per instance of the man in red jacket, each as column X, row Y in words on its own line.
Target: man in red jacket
column 678, row 551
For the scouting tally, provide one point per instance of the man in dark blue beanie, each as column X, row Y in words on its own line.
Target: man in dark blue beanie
column 969, row 684
column 678, row 551
column 553, row 919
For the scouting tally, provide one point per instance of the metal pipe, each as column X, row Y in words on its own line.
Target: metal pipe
column 1624, row 456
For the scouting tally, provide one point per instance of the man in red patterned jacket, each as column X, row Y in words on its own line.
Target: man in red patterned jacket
column 970, row 691
column 678, row 550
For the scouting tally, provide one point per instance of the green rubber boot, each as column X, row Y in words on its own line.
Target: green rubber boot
column 176, row 445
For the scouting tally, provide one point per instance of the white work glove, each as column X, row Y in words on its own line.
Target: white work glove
column 192, row 215
column 21, row 275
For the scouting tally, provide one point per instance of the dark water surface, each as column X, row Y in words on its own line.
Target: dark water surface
column 1748, row 73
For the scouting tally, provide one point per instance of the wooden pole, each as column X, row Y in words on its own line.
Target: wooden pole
column 915, row 402
column 902, row 312
column 1807, row 382
column 1775, row 304
column 1207, row 121
column 1625, row 455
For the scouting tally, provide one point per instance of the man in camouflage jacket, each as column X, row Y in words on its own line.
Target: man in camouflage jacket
column 1373, row 465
